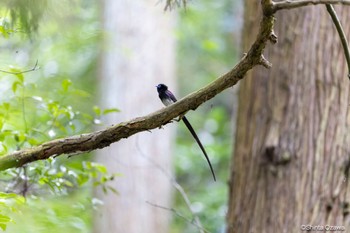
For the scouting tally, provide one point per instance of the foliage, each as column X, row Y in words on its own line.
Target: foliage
column 206, row 49
column 56, row 214
column 6, row 199
column 21, row 16
column 56, row 101
column 52, row 101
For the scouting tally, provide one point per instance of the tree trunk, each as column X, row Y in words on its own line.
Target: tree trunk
column 292, row 147
column 138, row 54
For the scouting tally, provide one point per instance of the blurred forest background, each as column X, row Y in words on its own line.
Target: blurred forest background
column 59, row 98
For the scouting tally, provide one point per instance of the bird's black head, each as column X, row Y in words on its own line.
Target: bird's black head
column 161, row 88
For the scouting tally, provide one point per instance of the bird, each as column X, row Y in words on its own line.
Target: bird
column 168, row 98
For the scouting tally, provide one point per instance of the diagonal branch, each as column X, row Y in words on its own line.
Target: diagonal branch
column 103, row 138
column 341, row 33
column 290, row 4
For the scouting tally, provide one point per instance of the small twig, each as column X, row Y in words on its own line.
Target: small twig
column 169, row 5
column 176, row 185
column 265, row 63
column 22, row 72
column 179, row 215
column 273, row 38
column 25, row 180
column 341, row 33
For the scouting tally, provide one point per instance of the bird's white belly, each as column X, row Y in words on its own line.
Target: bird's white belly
column 167, row 102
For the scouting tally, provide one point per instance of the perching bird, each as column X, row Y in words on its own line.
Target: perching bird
column 168, row 98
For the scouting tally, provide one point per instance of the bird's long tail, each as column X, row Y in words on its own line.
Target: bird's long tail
column 189, row 126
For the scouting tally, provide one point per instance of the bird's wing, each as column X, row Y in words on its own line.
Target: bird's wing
column 171, row 95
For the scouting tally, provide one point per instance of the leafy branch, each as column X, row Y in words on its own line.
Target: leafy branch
column 103, row 138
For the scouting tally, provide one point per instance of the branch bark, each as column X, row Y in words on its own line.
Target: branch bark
column 288, row 4
column 103, row 138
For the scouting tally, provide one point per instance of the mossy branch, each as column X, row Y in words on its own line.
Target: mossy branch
column 103, row 138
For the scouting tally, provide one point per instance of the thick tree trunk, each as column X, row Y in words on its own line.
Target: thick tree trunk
column 292, row 144
column 138, row 54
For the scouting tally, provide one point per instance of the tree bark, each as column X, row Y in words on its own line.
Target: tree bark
column 138, row 54
column 292, row 147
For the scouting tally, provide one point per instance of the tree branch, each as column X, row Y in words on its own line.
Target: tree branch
column 103, row 138
column 341, row 33
column 170, row 4
column 22, row 72
column 289, row 4
column 199, row 227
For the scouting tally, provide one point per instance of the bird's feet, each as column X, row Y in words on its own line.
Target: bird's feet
column 180, row 117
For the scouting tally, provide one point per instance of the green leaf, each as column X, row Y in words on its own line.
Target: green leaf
column 81, row 93
column 101, row 168
column 20, row 199
column 66, row 84
column 33, row 141
column 113, row 190
column 6, row 105
column 7, row 195
column 15, row 85
column 72, row 126
column 4, row 148
column 43, row 180
column 210, row 45
column 96, row 183
column 110, row 110
column 87, row 165
column 4, row 32
column 97, row 110
column 4, row 218
column 104, row 189
column 3, row 226
column 82, row 179
column 68, row 183
column 18, row 74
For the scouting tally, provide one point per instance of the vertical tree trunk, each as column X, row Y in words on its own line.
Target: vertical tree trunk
column 292, row 144
column 138, row 54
